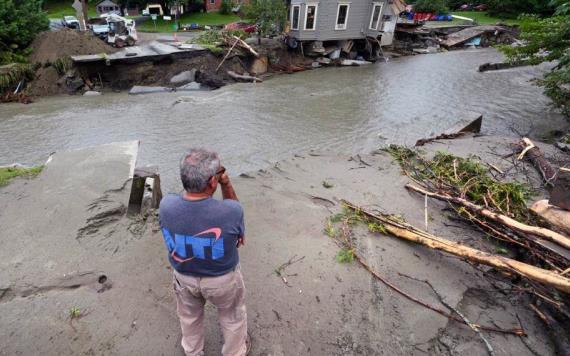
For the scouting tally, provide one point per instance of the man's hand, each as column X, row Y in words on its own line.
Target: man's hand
column 240, row 241
column 227, row 189
column 224, row 179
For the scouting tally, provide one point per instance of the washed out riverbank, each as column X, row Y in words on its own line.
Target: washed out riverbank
column 112, row 271
column 340, row 110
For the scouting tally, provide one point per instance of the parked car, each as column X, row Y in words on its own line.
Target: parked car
column 70, row 22
column 481, row 7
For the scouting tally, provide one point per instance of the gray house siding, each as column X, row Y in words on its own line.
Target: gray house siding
column 357, row 26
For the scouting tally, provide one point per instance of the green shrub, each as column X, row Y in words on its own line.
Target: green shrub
column 226, row 7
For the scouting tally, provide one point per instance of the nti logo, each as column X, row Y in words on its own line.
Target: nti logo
column 185, row 248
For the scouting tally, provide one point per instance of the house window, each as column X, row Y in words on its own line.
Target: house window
column 375, row 18
column 212, row 2
column 310, row 16
column 342, row 16
column 295, row 12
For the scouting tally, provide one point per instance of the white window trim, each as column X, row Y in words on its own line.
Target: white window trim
column 293, row 16
column 374, row 5
column 316, row 5
column 336, row 25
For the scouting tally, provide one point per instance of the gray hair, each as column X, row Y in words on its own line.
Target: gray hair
column 197, row 166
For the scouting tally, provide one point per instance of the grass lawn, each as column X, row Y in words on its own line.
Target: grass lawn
column 202, row 19
column 56, row 9
column 8, row 173
column 482, row 18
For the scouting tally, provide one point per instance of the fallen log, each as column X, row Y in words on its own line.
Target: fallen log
column 226, row 56
column 247, row 78
column 246, row 46
column 516, row 331
column 410, row 233
column 556, row 218
column 527, row 148
column 501, row 219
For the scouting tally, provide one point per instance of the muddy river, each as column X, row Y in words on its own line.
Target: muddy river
column 347, row 110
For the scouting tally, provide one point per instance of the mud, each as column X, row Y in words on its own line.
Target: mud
column 327, row 308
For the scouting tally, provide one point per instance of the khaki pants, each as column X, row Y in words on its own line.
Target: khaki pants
column 227, row 293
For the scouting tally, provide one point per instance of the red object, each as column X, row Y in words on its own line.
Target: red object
column 246, row 27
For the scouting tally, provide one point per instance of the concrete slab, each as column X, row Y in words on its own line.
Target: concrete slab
column 150, row 51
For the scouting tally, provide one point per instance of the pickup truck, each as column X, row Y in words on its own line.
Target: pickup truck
column 70, row 22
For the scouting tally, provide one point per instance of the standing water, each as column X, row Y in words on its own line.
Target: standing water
column 341, row 110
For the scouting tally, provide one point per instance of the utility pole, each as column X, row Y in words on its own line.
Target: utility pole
column 80, row 14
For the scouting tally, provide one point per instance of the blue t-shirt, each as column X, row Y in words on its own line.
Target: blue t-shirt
column 201, row 235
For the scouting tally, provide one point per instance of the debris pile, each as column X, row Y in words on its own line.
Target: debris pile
column 530, row 257
column 419, row 39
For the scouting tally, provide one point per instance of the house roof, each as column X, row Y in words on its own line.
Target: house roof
column 107, row 2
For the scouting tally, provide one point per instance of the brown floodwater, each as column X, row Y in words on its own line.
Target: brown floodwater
column 341, row 110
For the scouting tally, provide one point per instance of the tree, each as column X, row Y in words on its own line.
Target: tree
column 546, row 39
column 433, row 6
column 20, row 22
column 269, row 15
column 514, row 8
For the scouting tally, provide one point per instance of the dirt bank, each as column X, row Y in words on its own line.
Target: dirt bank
column 52, row 45
column 67, row 241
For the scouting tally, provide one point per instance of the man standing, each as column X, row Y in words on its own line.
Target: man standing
column 202, row 236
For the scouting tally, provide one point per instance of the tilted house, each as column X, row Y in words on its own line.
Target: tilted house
column 327, row 20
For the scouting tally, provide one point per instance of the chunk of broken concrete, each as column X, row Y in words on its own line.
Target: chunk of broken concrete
column 189, row 87
column 136, row 90
column 184, row 77
column 91, row 93
column 324, row 60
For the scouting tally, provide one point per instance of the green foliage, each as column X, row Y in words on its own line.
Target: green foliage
column 562, row 7
column 514, row 8
column 20, row 22
column 502, row 251
column 12, row 74
column 226, row 7
column 213, row 39
column 375, row 227
column 62, row 65
column 345, row 255
column 433, row 6
column 74, row 313
column 329, row 230
column 8, row 173
column 465, row 177
column 56, row 9
column 269, row 15
column 546, row 39
column 200, row 18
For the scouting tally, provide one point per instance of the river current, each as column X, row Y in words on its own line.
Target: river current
column 341, row 110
